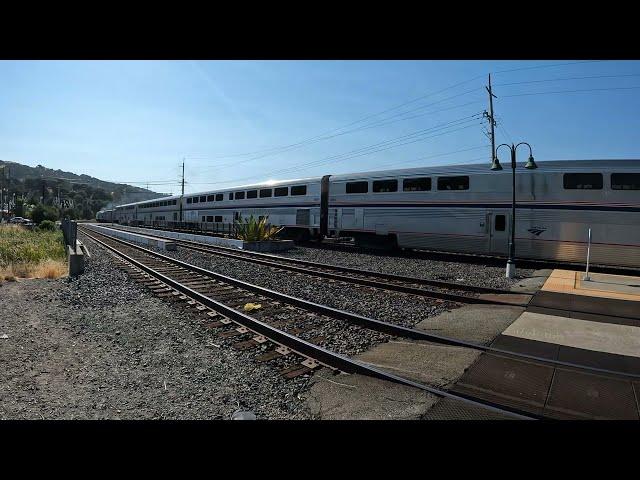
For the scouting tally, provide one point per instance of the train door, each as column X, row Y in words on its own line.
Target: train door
column 498, row 227
column 352, row 218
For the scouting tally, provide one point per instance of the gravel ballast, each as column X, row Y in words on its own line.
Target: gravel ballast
column 103, row 347
column 489, row 273
column 402, row 309
column 470, row 273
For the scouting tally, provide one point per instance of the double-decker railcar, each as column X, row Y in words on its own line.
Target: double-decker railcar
column 459, row 208
column 467, row 208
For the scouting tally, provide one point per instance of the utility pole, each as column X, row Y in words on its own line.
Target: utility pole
column 491, row 119
column 182, row 194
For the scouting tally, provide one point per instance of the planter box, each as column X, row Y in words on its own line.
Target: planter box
column 268, row 246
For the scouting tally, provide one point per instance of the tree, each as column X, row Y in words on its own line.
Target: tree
column 18, row 209
column 44, row 212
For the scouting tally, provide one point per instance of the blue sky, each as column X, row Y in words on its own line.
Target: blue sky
column 136, row 120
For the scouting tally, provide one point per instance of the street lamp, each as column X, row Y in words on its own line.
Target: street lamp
column 530, row 165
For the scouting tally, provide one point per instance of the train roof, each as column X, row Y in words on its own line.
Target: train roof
column 268, row 183
column 461, row 169
column 469, row 168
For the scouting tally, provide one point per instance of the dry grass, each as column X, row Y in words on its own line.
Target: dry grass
column 45, row 269
column 31, row 253
column 51, row 269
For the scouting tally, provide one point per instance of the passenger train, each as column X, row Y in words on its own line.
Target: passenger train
column 459, row 208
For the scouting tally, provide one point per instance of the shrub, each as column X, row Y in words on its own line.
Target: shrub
column 47, row 225
column 44, row 212
column 252, row 230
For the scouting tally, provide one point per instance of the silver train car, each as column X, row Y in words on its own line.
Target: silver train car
column 459, row 208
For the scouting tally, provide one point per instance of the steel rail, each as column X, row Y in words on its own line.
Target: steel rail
column 460, row 256
column 307, row 349
column 273, row 261
column 442, row 255
column 357, row 271
column 366, row 322
column 360, row 281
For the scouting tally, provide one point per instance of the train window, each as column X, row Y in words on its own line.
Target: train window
column 625, row 181
column 357, row 187
column 266, row 192
column 230, row 196
column 203, row 199
column 209, row 218
column 422, row 184
column 380, row 186
column 211, row 198
column 218, row 218
column 175, row 202
column 239, row 195
column 500, row 223
column 219, row 197
column 453, row 183
column 252, row 193
column 189, row 200
column 299, row 190
column 281, row 192
column 196, row 199
column 582, row 181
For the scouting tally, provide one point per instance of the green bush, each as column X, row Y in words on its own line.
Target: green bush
column 252, row 230
column 44, row 212
column 47, row 225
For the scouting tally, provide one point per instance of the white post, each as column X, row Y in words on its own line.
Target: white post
column 586, row 276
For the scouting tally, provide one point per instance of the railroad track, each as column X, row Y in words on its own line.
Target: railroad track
column 471, row 258
column 454, row 292
column 284, row 322
column 485, row 259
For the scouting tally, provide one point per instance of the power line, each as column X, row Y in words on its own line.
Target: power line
column 418, row 132
column 434, row 156
column 365, row 127
column 504, row 130
column 367, row 117
column 548, row 66
column 324, row 161
column 316, row 138
column 392, row 143
column 570, row 91
column 568, row 78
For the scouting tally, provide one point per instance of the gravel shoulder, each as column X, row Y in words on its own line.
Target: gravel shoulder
column 102, row 347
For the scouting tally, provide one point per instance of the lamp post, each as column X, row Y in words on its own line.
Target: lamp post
column 530, row 165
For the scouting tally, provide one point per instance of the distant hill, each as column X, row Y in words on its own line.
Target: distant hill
column 66, row 190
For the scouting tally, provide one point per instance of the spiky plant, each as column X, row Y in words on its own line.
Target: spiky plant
column 254, row 230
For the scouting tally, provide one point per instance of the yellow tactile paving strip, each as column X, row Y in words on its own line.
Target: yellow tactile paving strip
column 619, row 287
